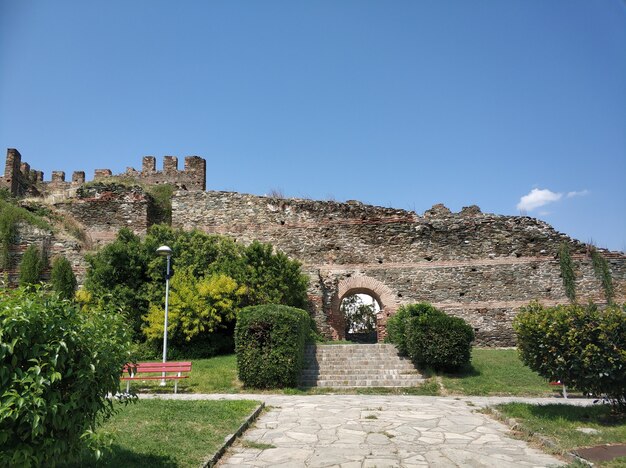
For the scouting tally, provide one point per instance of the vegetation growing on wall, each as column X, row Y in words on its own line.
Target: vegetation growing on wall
column 567, row 272
column 602, row 272
column 10, row 216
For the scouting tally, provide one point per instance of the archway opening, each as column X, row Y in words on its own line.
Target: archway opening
column 359, row 313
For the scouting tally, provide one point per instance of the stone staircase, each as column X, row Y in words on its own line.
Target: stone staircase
column 357, row 365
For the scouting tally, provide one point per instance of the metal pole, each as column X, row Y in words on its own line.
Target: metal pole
column 167, row 296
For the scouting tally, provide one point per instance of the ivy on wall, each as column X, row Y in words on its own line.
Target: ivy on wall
column 602, row 272
column 567, row 272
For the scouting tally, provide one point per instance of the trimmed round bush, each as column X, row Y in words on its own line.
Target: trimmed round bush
column 439, row 341
column 396, row 324
column 57, row 366
column 579, row 345
column 269, row 342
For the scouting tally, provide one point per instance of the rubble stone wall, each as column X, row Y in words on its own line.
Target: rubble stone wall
column 481, row 267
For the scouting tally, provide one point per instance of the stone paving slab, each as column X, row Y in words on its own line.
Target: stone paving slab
column 381, row 431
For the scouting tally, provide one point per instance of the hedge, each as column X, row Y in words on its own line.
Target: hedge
column 396, row 324
column 439, row 341
column 269, row 342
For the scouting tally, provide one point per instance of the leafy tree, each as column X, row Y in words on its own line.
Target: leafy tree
column 197, row 306
column 57, row 366
column 117, row 274
column 31, row 267
column 360, row 317
column 62, row 278
column 567, row 272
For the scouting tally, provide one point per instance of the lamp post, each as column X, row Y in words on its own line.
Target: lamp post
column 165, row 251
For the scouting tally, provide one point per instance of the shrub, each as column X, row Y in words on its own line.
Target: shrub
column 57, row 366
column 270, row 341
column 579, row 345
column 62, row 278
column 31, row 267
column 439, row 341
column 396, row 324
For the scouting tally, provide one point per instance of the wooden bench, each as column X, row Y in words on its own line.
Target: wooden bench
column 147, row 371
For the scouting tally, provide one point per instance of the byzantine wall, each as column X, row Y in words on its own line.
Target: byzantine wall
column 481, row 267
column 20, row 180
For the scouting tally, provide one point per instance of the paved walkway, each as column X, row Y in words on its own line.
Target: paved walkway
column 380, row 431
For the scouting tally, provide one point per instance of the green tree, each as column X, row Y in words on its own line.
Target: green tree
column 581, row 346
column 117, row 274
column 360, row 317
column 197, row 306
column 31, row 267
column 62, row 278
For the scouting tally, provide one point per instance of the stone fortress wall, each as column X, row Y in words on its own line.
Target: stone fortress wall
column 481, row 267
column 478, row 266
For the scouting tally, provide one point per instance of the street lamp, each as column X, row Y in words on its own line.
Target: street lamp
column 165, row 251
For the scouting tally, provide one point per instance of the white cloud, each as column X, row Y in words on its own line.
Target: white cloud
column 581, row 193
column 537, row 198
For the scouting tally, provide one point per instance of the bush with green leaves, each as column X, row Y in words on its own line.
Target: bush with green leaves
column 57, row 366
column 580, row 345
column 270, row 341
column 439, row 341
column 62, row 278
column 396, row 324
column 31, row 267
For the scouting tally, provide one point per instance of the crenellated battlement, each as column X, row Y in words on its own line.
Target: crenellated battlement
column 20, row 180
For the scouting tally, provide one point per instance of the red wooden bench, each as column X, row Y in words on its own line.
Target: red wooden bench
column 156, row 371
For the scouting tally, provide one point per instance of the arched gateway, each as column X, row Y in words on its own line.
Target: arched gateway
column 362, row 285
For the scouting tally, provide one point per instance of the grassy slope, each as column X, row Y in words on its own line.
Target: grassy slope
column 160, row 433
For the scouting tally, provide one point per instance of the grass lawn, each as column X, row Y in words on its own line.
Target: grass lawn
column 160, row 433
column 560, row 423
column 493, row 372
column 497, row 372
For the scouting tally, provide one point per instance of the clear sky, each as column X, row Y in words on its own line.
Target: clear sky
column 512, row 105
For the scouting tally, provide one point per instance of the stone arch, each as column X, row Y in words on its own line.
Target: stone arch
column 362, row 285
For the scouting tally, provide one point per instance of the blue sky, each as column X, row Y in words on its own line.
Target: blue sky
column 509, row 105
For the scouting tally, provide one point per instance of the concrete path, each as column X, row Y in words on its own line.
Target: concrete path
column 380, row 431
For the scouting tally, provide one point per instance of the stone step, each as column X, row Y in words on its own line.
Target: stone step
column 360, row 365
column 339, row 372
column 364, row 383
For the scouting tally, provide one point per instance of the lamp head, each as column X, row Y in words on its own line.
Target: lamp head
column 164, row 251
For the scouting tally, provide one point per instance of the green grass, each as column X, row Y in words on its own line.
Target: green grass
column 559, row 423
column 493, row 372
column 497, row 372
column 159, row 433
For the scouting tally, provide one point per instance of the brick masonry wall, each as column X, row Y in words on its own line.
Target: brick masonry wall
column 102, row 210
column 481, row 267
column 50, row 242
